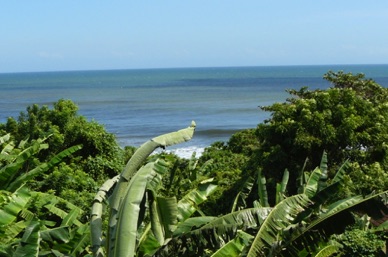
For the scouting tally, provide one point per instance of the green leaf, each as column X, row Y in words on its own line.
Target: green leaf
column 29, row 245
column 134, row 163
column 281, row 188
column 60, row 234
column 18, row 200
column 236, row 246
column 70, row 218
column 192, row 223
column 279, row 219
column 163, row 217
column 9, row 233
column 243, row 193
column 331, row 211
column 323, row 168
column 189, row 203
column 80, row 241
column 311, row 187
column 262, row 188
column 341, row 172
column 43, row 167
column 214, row 231
column 126, row 230
column 5, row 138
column 77, row 244
column 328, row 250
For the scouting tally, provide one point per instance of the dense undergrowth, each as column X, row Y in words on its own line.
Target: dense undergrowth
column 59, row 161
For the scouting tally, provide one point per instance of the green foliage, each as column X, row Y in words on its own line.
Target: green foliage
column 255, row 169
column 363, row 179
column 357, row 242
column 62, row 128
column 226, row 167
column 348, row 120
column 134, row 226
column 244, row 142
column 35, row 223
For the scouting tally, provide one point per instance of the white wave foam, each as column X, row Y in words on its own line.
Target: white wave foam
column 186, row 152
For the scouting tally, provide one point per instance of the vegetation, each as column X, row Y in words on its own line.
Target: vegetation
column 310, row 181
column 31, row 222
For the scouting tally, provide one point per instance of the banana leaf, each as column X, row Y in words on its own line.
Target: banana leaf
column 126, row 229
column 236, row 246
column 262, row 188
column 328, row 250
column 308, row 228
column 212, row 232
column 42, row 168
column 29, row 244
column 243, row 194
column 312, row 183
column 5, row 138
column 58, row 234
column 283, row 214
column 282, row 187
column 77, row 243
column 9, row 232
column 188, row 205
column 323, row 168
column 134, row 163
column 17, row 202
column 163, row 217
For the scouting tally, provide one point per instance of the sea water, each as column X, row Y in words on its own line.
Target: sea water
column 137, row 105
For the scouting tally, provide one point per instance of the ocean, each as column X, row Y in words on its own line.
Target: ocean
column 137, row 105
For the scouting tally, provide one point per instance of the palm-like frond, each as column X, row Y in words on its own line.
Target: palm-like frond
column 243, row 194
column 311, row 186
column 29, row 244
column 16, row 202
column 269, row 235
column 189, row 203
column 281, row 188
column 310, row 227
column 324, row 170
column 262, row 189
column 213, row 232
column 328, row 251
column 42, row 168
column 236, row 246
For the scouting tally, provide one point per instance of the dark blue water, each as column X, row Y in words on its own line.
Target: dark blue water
column 137, row 105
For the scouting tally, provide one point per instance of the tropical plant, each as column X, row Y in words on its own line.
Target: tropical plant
column 35, row 223
column 298, row 225
column 100, row 158
column 348, row 120
column 141, row 222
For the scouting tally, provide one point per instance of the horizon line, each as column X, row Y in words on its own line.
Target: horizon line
column 192, row 67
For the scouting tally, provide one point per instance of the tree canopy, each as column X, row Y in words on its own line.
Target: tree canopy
column 349, row 120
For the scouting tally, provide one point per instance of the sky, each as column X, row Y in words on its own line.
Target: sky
column 94, row 35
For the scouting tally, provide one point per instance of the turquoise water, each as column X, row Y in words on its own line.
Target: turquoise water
column 137, row 105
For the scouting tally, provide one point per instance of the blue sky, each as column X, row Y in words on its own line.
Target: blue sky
column 87, row 35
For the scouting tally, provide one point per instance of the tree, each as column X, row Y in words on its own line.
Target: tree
column 100, row 157
column 349, row 121
column 64, row 128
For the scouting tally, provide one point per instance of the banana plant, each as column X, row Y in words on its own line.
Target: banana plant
column 18, row 207
column 295, row 226
column 12, row 160
column 134, row 201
